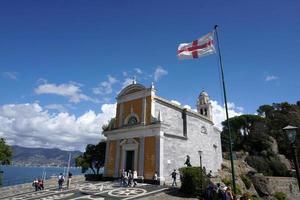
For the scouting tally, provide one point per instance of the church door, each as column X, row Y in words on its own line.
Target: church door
column 129, row 160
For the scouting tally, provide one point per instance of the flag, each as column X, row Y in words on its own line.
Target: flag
column 198, row 48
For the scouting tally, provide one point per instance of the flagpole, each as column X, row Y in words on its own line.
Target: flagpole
column 226, row 109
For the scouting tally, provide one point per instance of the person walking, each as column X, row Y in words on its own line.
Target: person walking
column 123, row 175
column 173, row 175
column 41, row 184
column 228, row 194
column 69, row 179
column 130, row 178
column 155, row 178
column 36, row 184
column 135, row 178
column 61, row 180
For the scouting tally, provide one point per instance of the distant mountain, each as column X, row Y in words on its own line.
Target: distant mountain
column 42, row 157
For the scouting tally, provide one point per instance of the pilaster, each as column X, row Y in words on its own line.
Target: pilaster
column 121, row 115
column 106, row 156
column 117, row 161
column 144, row 111
column 141, row 157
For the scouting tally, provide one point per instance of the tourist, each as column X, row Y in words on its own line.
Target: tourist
column 61, row 180
column 188, row 161
column 36, row 184
column 123, row 176
column 209, row 175
column 173, row 175
column 155, row 178
column 134, row 178
column 40, row 184
column 130, row 178
column 228, row 194
column 69, row 179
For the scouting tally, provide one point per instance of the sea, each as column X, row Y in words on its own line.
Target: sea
column 14, row 175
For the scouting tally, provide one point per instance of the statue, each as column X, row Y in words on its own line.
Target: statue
column 187, row 162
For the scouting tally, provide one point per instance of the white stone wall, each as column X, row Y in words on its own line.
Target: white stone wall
column 176, row 146
column 169, row 114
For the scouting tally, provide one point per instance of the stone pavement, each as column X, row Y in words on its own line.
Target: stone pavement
column 82, row 190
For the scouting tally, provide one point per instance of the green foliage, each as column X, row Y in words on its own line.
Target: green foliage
column 280, row 196
column 226, row 181
column 261, row 164
column 250, row 196
column 246, row 180
column 93, row 157
column 192, row 178
column 269, row 166
column 248, row 133
column 278, row 168
column 252, row 133
column 110, row 125
column 5, row 153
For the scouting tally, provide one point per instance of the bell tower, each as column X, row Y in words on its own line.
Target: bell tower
column 204, row 106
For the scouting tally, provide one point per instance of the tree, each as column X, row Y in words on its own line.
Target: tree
column 93, row 157
column 244, row 129
column 5, row 153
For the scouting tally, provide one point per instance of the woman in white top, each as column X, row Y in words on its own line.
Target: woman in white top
column 134, row 178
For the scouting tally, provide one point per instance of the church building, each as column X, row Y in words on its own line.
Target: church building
column 151, row 134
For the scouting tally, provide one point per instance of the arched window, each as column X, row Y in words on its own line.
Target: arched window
column 132, row 120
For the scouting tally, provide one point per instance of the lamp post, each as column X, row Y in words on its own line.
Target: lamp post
column 291, row 132
column 201, row 170
column 200, row 155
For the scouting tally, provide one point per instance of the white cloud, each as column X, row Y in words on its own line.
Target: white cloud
column 271, row 78
column 57, row 107
column 70, row 90
column 218, row 112
column 10, row 75
column 31, row 125
column 105, row 87
column 159, row 72
column 188, row 107
column 138, row 70
column 176, row 102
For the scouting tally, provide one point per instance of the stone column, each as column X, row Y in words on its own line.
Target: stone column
column 159, row 157
column 141, row 157
column 121, row 115
column 144, row 111
column 117, row 161
column 106, row 156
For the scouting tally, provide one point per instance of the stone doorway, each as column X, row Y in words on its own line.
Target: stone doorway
column 129, row 160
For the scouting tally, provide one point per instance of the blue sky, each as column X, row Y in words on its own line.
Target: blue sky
column 75, row 56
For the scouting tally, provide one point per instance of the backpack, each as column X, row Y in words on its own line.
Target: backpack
column 173, row 174
column 61, row 178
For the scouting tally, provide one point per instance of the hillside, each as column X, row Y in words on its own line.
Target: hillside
column 41, row 156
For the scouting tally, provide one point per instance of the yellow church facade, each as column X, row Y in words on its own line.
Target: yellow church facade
column 152, row 135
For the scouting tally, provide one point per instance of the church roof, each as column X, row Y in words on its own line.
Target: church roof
column 132, row 88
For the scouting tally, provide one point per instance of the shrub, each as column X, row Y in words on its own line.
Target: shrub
column 191, row 180
column 228, row 182
column 261, row 164
column 278, row 168
column 246, row 181
column 269, row 166
column 250, row 196
column 280, row 196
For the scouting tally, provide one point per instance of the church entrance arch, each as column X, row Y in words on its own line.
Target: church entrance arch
column 129, row 154
column 129, row 160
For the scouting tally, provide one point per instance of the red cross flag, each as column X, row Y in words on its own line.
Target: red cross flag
column 198, row 48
